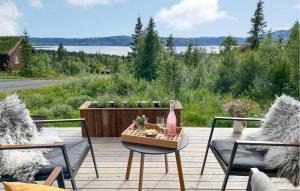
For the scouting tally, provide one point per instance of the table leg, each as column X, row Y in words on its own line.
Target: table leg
column 129, row 165
column 141, row 172
column 179, row 168
column 166, row 163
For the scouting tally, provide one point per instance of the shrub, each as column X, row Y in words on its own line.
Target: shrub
column 43, row 111
column 100, row 102
column 77, row 101
column 61, row 110
column 118, row 102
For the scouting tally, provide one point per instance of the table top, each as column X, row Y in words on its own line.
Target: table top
column 148, row 149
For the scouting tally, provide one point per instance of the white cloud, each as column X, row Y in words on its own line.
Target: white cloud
column 277, row 28
column 9, row 15
column 189, row 13
column 36, row 3
column 90, row 3
column 297, row 6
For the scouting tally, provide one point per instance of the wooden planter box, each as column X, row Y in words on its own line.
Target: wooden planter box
column 111, row 122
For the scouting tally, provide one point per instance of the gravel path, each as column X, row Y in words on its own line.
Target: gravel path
column 7, row 85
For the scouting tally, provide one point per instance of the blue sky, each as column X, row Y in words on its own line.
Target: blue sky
column 183, row 18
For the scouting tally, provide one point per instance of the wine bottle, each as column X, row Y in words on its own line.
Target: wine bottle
column 171, row 120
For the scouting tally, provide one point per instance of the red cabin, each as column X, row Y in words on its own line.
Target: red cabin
column 10, row 53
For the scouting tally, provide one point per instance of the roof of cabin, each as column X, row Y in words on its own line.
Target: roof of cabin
column 7, row 43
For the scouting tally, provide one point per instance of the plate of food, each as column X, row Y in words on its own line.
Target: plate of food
column 150, row 132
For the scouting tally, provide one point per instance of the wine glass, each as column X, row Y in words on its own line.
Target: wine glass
column 160, row 121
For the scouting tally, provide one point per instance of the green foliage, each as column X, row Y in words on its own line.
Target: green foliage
column 292, row 50
column 246, row 72
column 148, row 49
column 258, row 26
column 226, row 73
column 61, row 52
column 118, row 102
column 26, row 69
column 7, row 43
column 228, row 43
column 61, row 110
column 170, row 76
column 188, row 57
column 77, row 101
column 136, row 36
column 100, row 102
column 170, row 45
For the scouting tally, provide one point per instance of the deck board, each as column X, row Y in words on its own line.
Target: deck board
column 112, row 158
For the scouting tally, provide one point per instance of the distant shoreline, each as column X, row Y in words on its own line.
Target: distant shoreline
column 116, row 50
column 126, row 40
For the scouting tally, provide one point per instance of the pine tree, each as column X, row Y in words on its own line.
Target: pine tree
column 136, row 35
column 146, row 66
column 258, row 26
column 26, row 56
column 188, row 55
column 228, row 43
column 170, row 45
column 61, row 52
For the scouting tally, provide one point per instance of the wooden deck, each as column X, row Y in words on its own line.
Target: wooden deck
column 112, row 159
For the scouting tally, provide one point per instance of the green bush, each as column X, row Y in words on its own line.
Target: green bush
column 100, row 102
column 61, row 111
column 77, row 101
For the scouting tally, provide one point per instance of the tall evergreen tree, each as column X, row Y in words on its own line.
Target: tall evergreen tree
column 188, row 55
column 61, row 52
column 258, row 25
column 146, row 67
column 136, row 35
column 26, row 56
column 170, row 45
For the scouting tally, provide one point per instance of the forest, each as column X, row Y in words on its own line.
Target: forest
column 203, row 82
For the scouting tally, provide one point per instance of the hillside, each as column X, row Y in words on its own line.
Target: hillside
column 126, row 40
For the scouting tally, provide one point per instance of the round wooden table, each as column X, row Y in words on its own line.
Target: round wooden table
column 153, row 150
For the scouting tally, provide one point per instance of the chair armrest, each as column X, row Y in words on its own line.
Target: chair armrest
column 31, row 146
column 230, row 119
column 55, row 174
column 267, row 143
column 252, row 170
column 59, row 120
column 82, row 120
column 239, row 119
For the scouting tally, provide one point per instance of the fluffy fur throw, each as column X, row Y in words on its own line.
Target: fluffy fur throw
column 17, row 127
column 282, row 124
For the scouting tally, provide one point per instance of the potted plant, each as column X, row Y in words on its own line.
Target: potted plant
column 140, row 123
column 237, row 109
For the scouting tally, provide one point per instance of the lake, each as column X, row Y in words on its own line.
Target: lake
column 115, row 50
